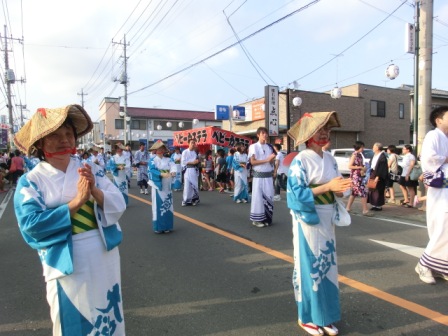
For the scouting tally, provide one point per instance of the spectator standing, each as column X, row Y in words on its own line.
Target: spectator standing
column 189, row 162
column 17, row 167
column 141, row 158
column 221, row 170
column 434, row 261
column 313, row 184
column 208, row 178
column 357, row 176
column 380, row 173
column 229, row 173
column 280, row 172
column 407, row 186
column 69, row 212
column 392, row 164
column 261, row 156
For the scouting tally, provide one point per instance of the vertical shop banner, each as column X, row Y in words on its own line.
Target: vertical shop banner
column 271, row 109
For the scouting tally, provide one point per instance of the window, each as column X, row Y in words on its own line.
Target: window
column 401, row 110
column 377, row 108
column 119, row 124
column 137, row 124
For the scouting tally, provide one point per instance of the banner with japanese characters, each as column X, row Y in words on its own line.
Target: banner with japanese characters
column 209, row 136
column 271, row 109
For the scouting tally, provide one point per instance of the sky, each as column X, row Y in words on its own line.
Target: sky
column 184, row 54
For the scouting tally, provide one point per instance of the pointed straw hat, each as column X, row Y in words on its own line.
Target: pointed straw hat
column 158, row 144
column 310, row 123
column 46, row 121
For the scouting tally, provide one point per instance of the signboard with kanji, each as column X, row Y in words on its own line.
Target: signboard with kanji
column 272, row 113
column 209, row 136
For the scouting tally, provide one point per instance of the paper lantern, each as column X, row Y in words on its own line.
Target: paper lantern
column 336, row 93
column 169, row 124
column 297, row 101
column 392, row 71
column 181, row 124
column 159, row 127
column 195, row 121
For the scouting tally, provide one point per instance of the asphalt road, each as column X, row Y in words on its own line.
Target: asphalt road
column 216, row 274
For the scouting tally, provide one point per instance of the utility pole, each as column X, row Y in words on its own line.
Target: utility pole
column 9, row 79
column 8, row 94
column 21, row 112
column 424, row 72
column 82, row 94
column 124, row 80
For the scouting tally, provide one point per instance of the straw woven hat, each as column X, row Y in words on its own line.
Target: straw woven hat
column 46, row 121
column 95, row 148
column 158, row 144
column 120, row 145
column 310, row 123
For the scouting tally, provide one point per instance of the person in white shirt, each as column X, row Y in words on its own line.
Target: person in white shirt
column 189, row 163
column 280, row 172
column 261, row 156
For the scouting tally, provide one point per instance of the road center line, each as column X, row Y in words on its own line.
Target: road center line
column 402, row 303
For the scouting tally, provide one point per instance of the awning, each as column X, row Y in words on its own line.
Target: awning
column 209, row 136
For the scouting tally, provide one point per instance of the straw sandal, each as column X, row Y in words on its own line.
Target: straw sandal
column 311, row 328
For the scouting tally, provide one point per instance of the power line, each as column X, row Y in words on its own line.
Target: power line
column 228, row 47
column 350, row 46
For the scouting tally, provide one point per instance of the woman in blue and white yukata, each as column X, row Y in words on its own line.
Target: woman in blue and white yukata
column 119, row 165
column 69, row 211
column 241, row 193
column 176, row 157
column 160, row 171
column 313, row 183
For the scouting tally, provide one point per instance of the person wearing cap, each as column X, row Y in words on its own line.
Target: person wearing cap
column 69, row 212
column 141, row 158
column 261, row 156
column 96, row 158
column 312, row 185
column 118, row 165
column 160, row 171
column 189, row 162
column 177, row 180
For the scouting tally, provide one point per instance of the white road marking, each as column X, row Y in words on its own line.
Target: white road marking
column 5, row 202
column 411, row 250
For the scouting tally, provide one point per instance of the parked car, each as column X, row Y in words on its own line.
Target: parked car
column 342, row 156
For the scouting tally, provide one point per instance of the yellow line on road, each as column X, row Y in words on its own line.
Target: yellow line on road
column 411, row 306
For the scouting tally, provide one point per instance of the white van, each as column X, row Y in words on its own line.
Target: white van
column 342, row 156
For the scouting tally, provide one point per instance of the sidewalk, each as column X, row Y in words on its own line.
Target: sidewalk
column 394, row 211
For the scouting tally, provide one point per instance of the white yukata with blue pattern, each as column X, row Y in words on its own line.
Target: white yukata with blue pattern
column 315, row 277
column 241, row 191
column 262, row 201
column 120, row 176
column 82, row 271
